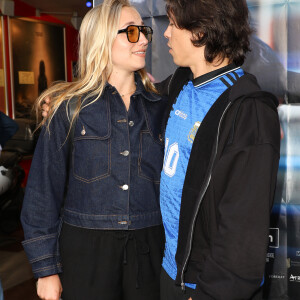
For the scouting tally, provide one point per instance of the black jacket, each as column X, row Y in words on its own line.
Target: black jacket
column 228, row 191
column 8, row 128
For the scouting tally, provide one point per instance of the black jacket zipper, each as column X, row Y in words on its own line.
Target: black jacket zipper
column 200, row 198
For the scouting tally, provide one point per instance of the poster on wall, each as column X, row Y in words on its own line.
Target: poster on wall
column 275, row 60
column 38, row 59
column 3, row 107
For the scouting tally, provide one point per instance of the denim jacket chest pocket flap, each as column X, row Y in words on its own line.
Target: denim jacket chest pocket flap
column 91, row 157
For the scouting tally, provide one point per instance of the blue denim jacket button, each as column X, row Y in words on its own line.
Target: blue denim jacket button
column 125, row 153
column 131, row 123
column 125, row 187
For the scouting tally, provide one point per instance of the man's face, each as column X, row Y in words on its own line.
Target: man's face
column 179, row 42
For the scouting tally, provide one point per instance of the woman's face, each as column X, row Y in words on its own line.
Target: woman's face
column 126, row 56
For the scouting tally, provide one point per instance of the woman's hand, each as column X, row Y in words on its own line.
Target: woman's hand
column 45, row 107
column 49, row 287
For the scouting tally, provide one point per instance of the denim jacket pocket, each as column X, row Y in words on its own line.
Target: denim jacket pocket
column 150, row 157
column 91, row 158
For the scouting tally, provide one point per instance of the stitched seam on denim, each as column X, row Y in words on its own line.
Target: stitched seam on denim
column 140, row 173
column 108, row 122
column 107, row 174
column 118, row 226
column 77, row 213
column 109, row 158
column 58, row 234
column 45, row 237
column 145, row 215
column 135, row 216
column 129, row 162
column 47, row 268
column 91, row 180
column 151, row 180
column 108, row 115
column 65, row 119
column 41, row 258
column 97, row 228
column 91, row 137
column 140, row 160
column 148, row 125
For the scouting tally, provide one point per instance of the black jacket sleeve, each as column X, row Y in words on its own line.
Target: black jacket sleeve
column 163, row 86
column 8, row 128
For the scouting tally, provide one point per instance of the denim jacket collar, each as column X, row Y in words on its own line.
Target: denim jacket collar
column 152, row 107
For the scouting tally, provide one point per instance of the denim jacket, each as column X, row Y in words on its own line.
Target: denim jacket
column 108, row 180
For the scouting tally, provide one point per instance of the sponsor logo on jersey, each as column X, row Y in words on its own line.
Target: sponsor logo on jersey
column 180, row 114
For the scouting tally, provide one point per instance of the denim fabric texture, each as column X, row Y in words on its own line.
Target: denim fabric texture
column 112, row 181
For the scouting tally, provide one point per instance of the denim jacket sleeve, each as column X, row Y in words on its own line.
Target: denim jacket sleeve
column 44, row 196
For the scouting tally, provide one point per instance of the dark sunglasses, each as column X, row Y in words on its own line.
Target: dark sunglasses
column 133, row 33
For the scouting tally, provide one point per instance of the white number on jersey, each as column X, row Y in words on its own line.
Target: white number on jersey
column 171, row 158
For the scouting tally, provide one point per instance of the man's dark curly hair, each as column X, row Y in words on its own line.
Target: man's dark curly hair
column 222, row 26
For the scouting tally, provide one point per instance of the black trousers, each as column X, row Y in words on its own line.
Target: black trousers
column 170, row 291
column 111, row 264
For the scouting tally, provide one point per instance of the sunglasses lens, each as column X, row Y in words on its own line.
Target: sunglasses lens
column 147, row 33
column 133, row 34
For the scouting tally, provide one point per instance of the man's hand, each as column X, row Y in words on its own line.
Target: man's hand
column 45, row 107
column 49, row 288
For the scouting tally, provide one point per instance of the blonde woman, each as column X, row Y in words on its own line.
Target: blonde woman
column 91, row 213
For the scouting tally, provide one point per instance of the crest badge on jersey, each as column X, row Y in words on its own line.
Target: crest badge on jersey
column 193, row 132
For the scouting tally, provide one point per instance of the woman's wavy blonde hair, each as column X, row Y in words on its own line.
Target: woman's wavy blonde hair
column 97, row 33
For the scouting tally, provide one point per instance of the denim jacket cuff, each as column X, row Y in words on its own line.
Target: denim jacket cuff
column 46, row 267
column 43, row 255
